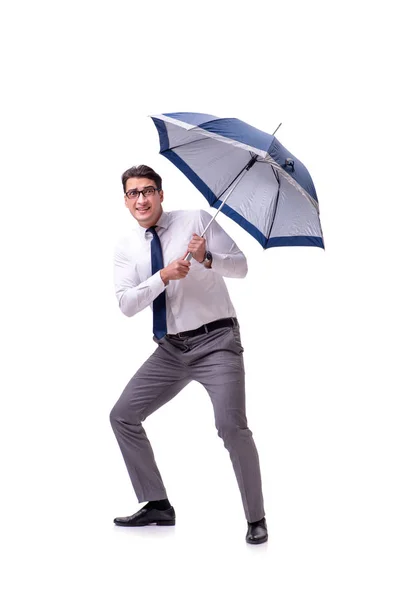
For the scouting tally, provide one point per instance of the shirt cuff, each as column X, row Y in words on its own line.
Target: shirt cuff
column 229, row 266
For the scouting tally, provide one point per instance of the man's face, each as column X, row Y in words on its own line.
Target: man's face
column 145, row 209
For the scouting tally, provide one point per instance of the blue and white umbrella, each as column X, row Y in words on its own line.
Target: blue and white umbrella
column 270, row 192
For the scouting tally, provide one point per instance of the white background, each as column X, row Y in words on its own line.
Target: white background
column 320, row 328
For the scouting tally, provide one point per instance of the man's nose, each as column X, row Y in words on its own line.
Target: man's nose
column 142, row 199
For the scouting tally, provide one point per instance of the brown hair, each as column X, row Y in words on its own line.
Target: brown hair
column 142, row 171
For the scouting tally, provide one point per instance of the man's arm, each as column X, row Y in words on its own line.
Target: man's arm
column 227, row 260
column 133, row 295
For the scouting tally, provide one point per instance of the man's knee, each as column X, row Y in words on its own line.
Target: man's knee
column 116, row 415
column 230, row 430
column 124, row 412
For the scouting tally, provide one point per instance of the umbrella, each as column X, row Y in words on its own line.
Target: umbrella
column 270, row 192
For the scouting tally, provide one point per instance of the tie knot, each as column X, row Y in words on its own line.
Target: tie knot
column 152, row 230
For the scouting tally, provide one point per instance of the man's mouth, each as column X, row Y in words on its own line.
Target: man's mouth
column 143, row 210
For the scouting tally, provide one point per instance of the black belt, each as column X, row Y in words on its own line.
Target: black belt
column 230, row 322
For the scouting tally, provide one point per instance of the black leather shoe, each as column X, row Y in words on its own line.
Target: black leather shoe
column 257, row 533
column 147, row 516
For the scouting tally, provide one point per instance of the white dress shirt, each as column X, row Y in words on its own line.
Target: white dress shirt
column 199, row 298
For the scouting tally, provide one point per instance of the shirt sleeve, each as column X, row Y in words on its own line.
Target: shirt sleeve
column 228, row 260
column 132, row 294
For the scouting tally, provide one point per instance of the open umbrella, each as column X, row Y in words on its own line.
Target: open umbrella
column 270, row 192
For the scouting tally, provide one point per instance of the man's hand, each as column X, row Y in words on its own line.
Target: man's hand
column 178, row 269
column 197, row 247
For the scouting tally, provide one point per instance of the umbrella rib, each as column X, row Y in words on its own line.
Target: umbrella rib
column 188, row 143
column 248, row 167
column 276, row 203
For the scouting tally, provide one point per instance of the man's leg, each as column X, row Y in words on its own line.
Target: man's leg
column 221, row 371
column 157, row 381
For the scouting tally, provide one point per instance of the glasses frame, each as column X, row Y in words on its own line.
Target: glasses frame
column 146, row 189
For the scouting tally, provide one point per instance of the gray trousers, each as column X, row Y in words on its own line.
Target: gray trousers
column 215, row 360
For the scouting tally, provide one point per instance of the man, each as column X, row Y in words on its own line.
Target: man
column 198, row 338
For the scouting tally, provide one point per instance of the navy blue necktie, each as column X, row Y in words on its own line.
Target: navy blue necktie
column 159, row 304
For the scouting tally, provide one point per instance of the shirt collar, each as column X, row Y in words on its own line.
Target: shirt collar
column 163, row 221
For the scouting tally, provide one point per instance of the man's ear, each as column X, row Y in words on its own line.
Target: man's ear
column 161, row 195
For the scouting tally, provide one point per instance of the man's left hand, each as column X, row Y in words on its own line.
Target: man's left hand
column 197, row 247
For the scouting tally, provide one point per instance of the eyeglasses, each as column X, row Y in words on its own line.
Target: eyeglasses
column 147, row 192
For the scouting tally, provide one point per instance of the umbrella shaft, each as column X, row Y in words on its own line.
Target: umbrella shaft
column 189, row 255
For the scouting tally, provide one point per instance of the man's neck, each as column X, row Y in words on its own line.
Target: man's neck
column 152, row 224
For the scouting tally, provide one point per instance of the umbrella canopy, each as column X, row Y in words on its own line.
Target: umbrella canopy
column 267, row 190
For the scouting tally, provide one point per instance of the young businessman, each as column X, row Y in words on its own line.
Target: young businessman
column 197, row 336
